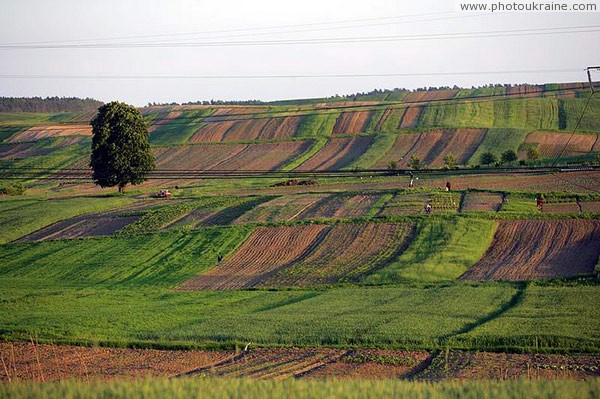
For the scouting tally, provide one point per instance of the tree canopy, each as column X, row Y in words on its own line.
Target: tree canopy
column 121, row 152
column 487, row 158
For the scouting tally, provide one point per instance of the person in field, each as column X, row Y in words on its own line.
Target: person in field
column 448, row 186
column 539, row 200
column 428, row 208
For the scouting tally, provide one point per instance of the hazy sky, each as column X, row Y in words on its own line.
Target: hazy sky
column 79, row 20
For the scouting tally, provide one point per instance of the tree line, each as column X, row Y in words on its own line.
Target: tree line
column 48, row 104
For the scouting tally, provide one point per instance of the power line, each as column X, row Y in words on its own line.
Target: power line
column 587, row 103
column 232, row 30
column 306, row 76
column 287, row 31
column 337, row 40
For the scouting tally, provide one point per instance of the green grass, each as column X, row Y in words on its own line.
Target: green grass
column 441, row 251
column 380, row 146
column 162, row 259
column 543, row 309
column 572, row 109
column 51, row 162
column 529, row 113
column 183, row 388
column 18, row 220
column 394, row 317
column 484, row 91
column 178, row 131
column 306, row 155
column 498, row 141
column 318, row 124
column 392, row 123
column 157, row 217
column 520, row 203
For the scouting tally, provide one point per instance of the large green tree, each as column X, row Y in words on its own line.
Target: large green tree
column 121, row 152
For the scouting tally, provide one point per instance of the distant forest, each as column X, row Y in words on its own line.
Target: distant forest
column 48, row 104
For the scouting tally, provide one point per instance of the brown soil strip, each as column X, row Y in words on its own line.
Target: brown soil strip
column 351, row 122
column 42, row 132
column 481, row 202
column 551, row 145
column 567, row 207
column 590, row 206
column 211, row 132
column 502, row 366
column 229, row 156
column 340, row 206
column 287, row 207
column 526, row 90
column 401, row 147
column 336, row 154
column 73, row 362
column 91, row 225
column 538, row 249
column 347, row 252
column 410, row 118
column 431, row 147
column 21, row 150
column 276, row 364
column 371, row 364
column 428, row 95
column 263, row 253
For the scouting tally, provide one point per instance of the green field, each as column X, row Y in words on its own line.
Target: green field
column 441, row 251
column 354, row 389
column 25, row 217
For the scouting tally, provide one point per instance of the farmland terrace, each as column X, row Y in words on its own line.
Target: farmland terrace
column 345, row 276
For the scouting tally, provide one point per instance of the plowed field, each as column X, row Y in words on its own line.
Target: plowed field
column 481, row 201
column 525, row 90
column 428, row 95
column 340, row 206
column 229, row 157
column 537, row 249
column 410, row 118
column 372, row 364
column 431, row 147
column 551, row 145
column 97, row 224
column 25, row 361
column 347, row 252
column 274, row 364
column 21, row 150
column 249, row 129
column 590, row 206
column 351, row 122
column 487, row 365
column 42, row 132
column 336, row 154
column 288, row 207
column 402, row 145
column 565, row 207
column 265, row 252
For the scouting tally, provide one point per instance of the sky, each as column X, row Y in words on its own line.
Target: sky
column 162, row 74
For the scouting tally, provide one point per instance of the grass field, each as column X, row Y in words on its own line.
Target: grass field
column 442, row 250
column 24, row 217
column 497, row 141
column 357, row 389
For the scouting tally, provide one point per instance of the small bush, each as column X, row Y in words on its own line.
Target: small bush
column 13, row 189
